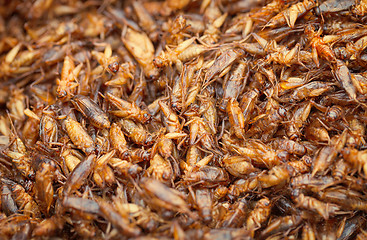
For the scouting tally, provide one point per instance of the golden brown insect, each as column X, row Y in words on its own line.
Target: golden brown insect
column 82, row 205
column 49, row 226
column 78, row 135
column 259, row 214
column 206, row 176
column 357, row 132
column 94, row 25
column 225, row 59
column 327, row 155
column 312, row 204
column 343, row 76
column 21, row 160
column 146, row 21
column 124, row 167
column 140, row 46
column 247, row 103
column 136, row 133
column 140, row 155
column 190, row 163
column 79, row 174
column 25, row 201
column 183, row 52
column 70, row 158
column 172, row 122
column 8, row 204
column 161, row 196
column 108, row 62
column 308, row 181
column 341, row 169
column 5, row 126
column 48, row 127
column 277, row 176
column 91, row 110
column 139, row 91
column 193, row 156
column 235, row 84
column 128, row 110
column 291, row 14
column 16, row 105
column 236, row 118
column 176, row 96
column 260, row 154
column 334, row 113
column 192, row 91
column 212, row 33
column 208, row 110
column 220, row 192
column 357, row 159
column 200, row 131
column 103, row 174
column 122, row 74
column 6, row 68
column 44, row 188
column 267, row 125
column 317, row 132
column 281, row 224
column 281, row 55
column 177, row 29
column 238, row 166
column 290, row 146
column 160, row 169
column 312, row 89
column 302, row 165
column 348, row 199
column 236, row 215
column 299, row 116
column 67, row 84
column 31, row 126
column 319, row 47
column 83, row 211
column 204, row 203
column 265, row 13
column 118, row 141
column 164, row 145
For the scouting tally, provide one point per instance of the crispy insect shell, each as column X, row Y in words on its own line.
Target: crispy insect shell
column 49, row 226
column 118, row 141
column 44, row 188
column 204, row 201
column 238, row 166
column 163, row 196
column 25, row 201
column 120, row 222
column 140, row 46
column 92, row 111
column 78, row 135
column 259, row 215
column 136, row 133
column 8, row 204
column 48, row 129
column 128, row 110
column 79, row 175
column 160, row 169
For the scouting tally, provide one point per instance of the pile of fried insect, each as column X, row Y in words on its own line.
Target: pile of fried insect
column 213, row 119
